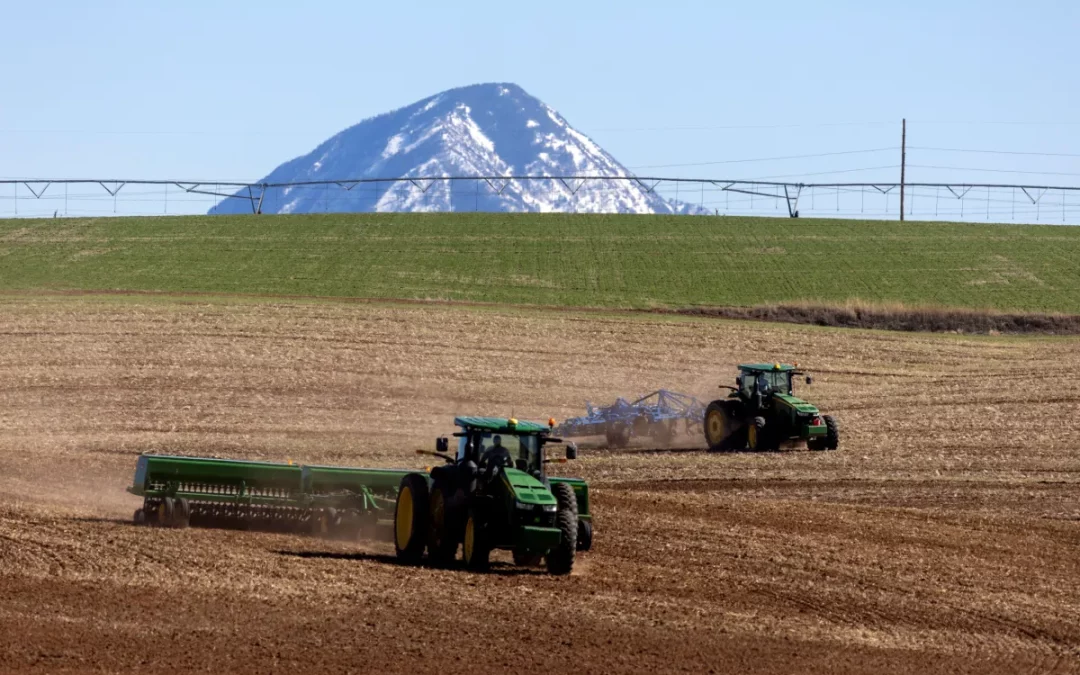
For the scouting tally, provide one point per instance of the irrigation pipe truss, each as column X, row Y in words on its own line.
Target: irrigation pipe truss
column 789, row 192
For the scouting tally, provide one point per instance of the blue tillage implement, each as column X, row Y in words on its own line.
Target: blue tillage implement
column 654, row 415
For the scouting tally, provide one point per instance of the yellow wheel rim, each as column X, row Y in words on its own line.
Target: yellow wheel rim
column 752, row 437
column 470, row 539
column 403, row 522
column 161, row 513
column 716, row 426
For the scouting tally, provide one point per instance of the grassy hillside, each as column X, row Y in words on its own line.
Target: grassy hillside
column 612, row 261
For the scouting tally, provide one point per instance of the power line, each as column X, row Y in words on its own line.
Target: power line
column 741, row 127
column 1002, row 123
column 996, row 152
column 826, row 173
column 764, row 159
column 968, row 168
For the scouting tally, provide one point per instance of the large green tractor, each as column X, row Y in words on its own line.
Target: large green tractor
column 763, row 413
column 494, row 493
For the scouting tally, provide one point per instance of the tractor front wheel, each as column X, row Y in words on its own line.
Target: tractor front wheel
column 832, row 433
column 757, row 435
column 411, row 519
column 560, row 560
column 442, row 537
column 476, row 549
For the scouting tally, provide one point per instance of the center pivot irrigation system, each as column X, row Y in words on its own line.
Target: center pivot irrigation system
column 655, row 416
column 494, row 493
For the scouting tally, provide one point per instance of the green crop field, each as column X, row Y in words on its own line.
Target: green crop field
column 573, row 260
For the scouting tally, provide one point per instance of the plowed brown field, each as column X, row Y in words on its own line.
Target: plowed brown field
column 944, row 535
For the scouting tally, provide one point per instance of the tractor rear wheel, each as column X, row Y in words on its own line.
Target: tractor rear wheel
column 476, row 549
column 832, row 433
column 442, row 531
column 584, row 535
column 560, row 560
column 720, row 426
column 411, row 519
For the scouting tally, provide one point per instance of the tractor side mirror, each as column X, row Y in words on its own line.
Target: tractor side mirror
column 442, row 444
column 738, row 381
column 571, row 450
column 809, row 379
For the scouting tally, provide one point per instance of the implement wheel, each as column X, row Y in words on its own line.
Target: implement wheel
column 663, row 432
column 617, row 435
column 182, row 515
column 140, row 517
column 411, row 519
column 584, row 535
column 560, row 560
column 165, row 514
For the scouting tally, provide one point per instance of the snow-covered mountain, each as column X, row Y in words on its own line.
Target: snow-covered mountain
column 489, row 130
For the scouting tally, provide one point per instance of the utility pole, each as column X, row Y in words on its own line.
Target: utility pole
column 903, row 162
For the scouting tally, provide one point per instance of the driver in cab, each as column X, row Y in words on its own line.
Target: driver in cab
column 496, row 456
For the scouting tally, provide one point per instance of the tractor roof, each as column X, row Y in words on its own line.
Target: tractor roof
column 766, row 367
column 500, row 425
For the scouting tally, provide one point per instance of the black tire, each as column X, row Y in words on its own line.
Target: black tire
column 522, row 559
column 140, row 517
column 719, row 425
column 560, row 560
column 182, row 517
column 832, row 433
column 476, row 549
column 584, row 535
column 411, row 519
column 663, row 432
column 325, row 522
column 758, row 435
column 618, row 435
column 716, row 423
column 442, row 527
column 165, row 513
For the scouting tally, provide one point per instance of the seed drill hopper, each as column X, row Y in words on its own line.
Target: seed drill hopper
column 656, row 416
column 274, row 496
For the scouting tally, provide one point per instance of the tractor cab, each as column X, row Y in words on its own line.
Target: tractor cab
column 765, row 380
column 492, row 443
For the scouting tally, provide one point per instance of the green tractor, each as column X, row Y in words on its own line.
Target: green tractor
column 762, row 413
column 494, row 493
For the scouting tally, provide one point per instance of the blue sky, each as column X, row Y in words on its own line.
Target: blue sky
column 195, row 90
